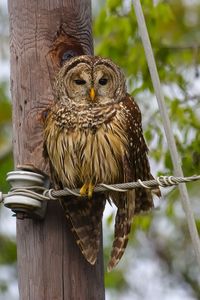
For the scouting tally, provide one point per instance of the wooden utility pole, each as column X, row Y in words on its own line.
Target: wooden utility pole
column 50, row 265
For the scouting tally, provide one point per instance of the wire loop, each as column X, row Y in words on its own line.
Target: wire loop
column 143, row 185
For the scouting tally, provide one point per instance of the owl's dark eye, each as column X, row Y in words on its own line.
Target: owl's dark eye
column 103, row 81
column 80, row 81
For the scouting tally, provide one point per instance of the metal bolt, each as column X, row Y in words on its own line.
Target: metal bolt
column 21, row 215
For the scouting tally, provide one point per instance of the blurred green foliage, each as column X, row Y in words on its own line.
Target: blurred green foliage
column 173, row 27
column 175, row 38
column 7, row 243
column 8, row 250
column 6, row 160
column 174, row 31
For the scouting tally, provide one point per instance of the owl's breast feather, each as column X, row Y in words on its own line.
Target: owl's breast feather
column 78, row 154
column 83, row 116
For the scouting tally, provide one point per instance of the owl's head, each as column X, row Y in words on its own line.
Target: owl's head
column 90, row 80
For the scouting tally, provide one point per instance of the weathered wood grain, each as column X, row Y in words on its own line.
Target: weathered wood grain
column 33, row 28
column 50, row 265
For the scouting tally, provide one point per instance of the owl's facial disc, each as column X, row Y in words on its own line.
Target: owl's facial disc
column 93, row 81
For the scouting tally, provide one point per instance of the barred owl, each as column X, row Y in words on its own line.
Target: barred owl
column 93, row 134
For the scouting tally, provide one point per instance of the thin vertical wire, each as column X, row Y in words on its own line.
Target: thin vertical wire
column 167, row 126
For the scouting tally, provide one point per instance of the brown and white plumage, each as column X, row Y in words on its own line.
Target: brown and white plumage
column 93, row 134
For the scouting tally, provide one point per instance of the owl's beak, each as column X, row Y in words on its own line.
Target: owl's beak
column 92, row 93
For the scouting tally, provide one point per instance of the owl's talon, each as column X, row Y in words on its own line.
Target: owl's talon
column 87, row 190
column 84, row 189
column 90, row 190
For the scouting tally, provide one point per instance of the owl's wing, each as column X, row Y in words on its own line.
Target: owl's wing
column 135, row 166
column 137, row 163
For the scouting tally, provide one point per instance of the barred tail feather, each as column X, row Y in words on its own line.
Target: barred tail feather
column 85, row 216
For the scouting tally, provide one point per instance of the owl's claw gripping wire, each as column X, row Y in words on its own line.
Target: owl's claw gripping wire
column 83, row 190
column 90, row 190
column 87, row 190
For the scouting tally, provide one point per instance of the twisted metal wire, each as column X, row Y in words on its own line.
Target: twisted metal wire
column 43, row 194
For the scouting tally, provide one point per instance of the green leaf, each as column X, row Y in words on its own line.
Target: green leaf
column 8, row 254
